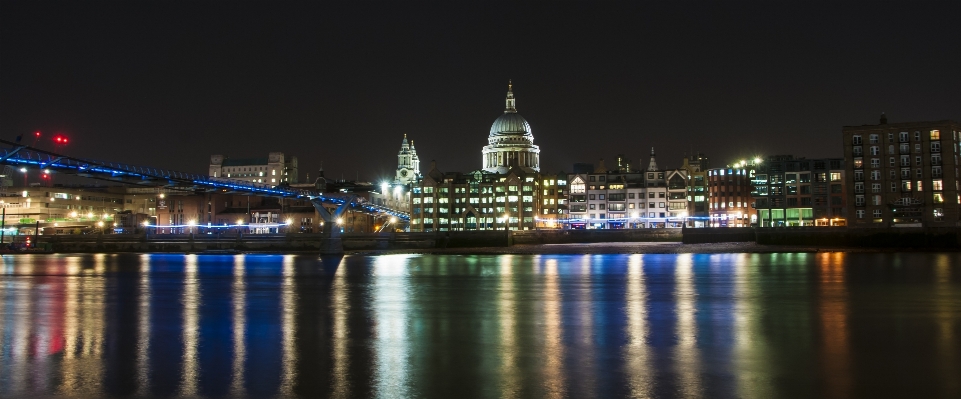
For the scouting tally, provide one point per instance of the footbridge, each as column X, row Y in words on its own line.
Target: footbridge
column 25, row 157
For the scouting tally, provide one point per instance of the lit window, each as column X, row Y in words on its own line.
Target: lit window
column 935, row 135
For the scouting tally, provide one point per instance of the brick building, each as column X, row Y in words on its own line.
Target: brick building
column 902, row 174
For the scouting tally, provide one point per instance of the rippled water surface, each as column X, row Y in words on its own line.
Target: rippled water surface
column 579, row 326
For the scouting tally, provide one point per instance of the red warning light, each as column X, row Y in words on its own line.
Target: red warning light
column 37, row 133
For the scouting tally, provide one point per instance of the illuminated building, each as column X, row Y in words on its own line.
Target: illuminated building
column 408, row 164
column 653, row 198
column 729, row 195
column 902, row 174
column 273, row 170
column 697, row 190
column 553, row 209
column 791, row 191
column 510, row 143
column 476, row 201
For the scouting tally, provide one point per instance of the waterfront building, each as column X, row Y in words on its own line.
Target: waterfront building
column 74, row 209
column 789, row 191
column 903, row 174
column 552, row 212
column 408, row 164
column 477, row 200
column 217, row 213
column 696, row 167
column 605, row 199
column 510, row 143
column 277, row 168
column 729, row 195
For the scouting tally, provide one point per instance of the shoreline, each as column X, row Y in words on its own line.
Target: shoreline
column 602, row 248
column 643, row 248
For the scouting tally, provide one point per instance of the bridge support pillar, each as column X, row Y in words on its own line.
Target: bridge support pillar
column 331, row 243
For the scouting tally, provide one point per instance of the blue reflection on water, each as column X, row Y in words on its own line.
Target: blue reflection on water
column 780, row 325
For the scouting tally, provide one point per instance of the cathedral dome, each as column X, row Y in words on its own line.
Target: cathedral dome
column 510, row 123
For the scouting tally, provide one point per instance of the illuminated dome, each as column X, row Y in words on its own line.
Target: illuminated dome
column 510, row 143
column 510, row 123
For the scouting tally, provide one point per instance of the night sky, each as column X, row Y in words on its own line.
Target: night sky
column 168, row 84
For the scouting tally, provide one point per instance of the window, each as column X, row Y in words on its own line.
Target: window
column 875, row 175
column 660, row 204
column 859, row 200
column 917, row 136
column 935, row 171
column 873, row 138
column 935, row 146
column 905, row 185
column 857, row 151
column 917, row 148
column 877, row 213
column 938, row 198
column 858, row 175
column 858, row 187
column 650, row 195
column 856, row 139
column 650, row 204
column 891, row 161
column 875, row 150
column 858, row 163
column 937, row 185
column 903, row 137
column 591, row 196
column 875, row 163
column 860, row 213
column 939, row 214
column 935, row 135
column 875, row 200
column 593, row 178
column 630, row 195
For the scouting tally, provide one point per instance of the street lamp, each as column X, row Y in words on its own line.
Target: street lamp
column 507, row 219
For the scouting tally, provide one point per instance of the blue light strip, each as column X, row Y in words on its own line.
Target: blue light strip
column 25, row 157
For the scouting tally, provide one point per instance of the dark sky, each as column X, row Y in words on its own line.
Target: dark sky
column 167, row 84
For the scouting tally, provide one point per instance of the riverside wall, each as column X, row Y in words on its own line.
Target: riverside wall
column 898, row 238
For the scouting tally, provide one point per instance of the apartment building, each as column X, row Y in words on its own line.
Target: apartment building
column 902, row 174
column 789, row 191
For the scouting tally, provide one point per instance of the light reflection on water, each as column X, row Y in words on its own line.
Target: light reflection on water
column 511, row 326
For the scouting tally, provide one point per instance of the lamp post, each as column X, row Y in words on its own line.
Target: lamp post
column 507, row 221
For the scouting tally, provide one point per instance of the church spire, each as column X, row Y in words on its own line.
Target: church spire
column 653, row 165
column 511, row 109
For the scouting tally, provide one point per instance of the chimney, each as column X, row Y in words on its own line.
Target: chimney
column 884, row 119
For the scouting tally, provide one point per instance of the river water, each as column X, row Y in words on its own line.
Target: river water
column 498, row 326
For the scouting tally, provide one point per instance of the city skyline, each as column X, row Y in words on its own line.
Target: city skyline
column 154, row 85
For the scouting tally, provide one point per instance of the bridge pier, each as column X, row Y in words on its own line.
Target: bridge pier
column 331, row 243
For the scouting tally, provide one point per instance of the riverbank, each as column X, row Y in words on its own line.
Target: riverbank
column 640, row 248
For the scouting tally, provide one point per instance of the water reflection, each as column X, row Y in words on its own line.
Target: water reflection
column 239, row 318
column 780, row 325
column 636, row 356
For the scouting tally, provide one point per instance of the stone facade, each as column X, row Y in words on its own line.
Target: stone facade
column 273, row 170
